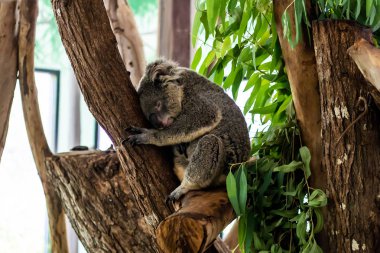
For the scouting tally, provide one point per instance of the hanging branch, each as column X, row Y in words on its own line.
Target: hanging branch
column 8, row 65
column 37, row 139
column 128, row 37
column 367, row 58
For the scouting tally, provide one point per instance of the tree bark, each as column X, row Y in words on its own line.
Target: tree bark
column 37, row 139
column 128, row 38
column 8, row 65
column 98, row 200
column 105, row 84
column 351, row 137
column 174, row 31
column 302, row 73
column 197, row 223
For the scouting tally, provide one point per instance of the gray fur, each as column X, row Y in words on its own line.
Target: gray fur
column 203, row 124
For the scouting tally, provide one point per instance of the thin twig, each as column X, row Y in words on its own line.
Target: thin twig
column 361, row 99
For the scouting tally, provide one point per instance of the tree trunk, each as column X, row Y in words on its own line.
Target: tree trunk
column 105, row 84
column 174, row 31
column 36, row 135
column 128, row 38
column 351, row 137
column 8, row 65
column 98, row 200
column 302, row 73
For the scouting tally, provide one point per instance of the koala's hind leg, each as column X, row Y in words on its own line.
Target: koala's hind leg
column 205, row 167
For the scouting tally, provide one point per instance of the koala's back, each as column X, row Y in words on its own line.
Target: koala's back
column 232, row 128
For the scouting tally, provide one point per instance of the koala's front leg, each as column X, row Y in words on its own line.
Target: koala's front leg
column 140, row 135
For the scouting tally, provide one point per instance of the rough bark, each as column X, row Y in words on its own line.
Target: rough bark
column 8, row 65
column 128, row 38
column 302, row 73
column 174, row 34
column 351, row 137
column 367, row 58
column 105, row 84
column 98, row 200
column 197, row 223
column 37, row 139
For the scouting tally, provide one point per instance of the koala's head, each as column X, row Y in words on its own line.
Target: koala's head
column 161, row 93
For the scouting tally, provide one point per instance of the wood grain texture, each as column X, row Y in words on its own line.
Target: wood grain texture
column 8, row 65
column 107, row 89
column 367, row 58
column 351, row 141
column 196, row 224
column 302, row 73
column 128, row 38
column 99, row 202
column 33, row 123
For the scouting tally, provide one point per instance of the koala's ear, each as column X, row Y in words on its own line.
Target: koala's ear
column 163, row 72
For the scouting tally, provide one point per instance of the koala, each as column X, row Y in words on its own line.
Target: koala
column 204, row 126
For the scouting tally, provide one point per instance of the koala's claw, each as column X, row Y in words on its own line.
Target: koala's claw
column 134, row 130
column 134, row 140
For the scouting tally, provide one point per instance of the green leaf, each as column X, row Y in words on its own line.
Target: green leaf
column 249, row 231
column 276, row 56
column 266, row 109
column 237, row 81
column 252, row 97
column 285, row 213
column 289, row 167
column 258, row 242
column 252, row 81
column 318, row 221
column 219, row 74
column 204, row 22
column 368, row 7
column 232, row 192
column 301, row 227
column 212, row 13
column 197, row 58
column 206, row 63
column 195, row 29
column 298, row 19
column 229, row 80
column 225, row 46
column 357, row 10
column 242, row 230
column 242, row 190
column 317, row 198
column 306, row 157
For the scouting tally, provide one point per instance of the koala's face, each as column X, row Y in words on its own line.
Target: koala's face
column 160, row 100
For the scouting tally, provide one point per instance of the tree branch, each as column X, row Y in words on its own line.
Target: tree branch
column 128, row 38
column 8, row 65
column 367, row 58
column 37, row 139
column 105, row 84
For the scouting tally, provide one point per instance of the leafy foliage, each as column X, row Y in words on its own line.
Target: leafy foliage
column 278, row 211
column 365, row 12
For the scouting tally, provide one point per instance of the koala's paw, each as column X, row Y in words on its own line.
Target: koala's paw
column 176, row 194
column 138, row 135
column 135, row 130
column 137, row 139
